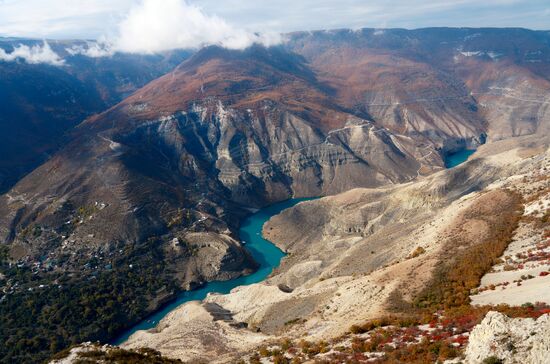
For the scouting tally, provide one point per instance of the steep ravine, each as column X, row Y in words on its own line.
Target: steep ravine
column 261, row 250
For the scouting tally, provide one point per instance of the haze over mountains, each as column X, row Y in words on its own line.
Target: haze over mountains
column 40, row 102
column 109, row 160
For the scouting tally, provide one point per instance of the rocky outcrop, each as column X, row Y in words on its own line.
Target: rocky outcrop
column 514, row 341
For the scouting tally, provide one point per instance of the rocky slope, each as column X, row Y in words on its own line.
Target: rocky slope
column 522, row 274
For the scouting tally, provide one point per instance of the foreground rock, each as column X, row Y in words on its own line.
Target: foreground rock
column 514, row 341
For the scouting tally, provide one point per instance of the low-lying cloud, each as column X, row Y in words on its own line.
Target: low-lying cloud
column 92, row 49
column 33, row 55
column 156, row 26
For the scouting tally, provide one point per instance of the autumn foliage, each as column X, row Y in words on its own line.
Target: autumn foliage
column 454, row 279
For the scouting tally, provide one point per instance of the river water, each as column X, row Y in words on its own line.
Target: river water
column 454, row 159
column 266, row 254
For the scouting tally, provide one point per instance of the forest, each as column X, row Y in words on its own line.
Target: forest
column 66, row 310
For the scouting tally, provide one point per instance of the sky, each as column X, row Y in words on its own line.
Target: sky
column 150, row 26
column 100, row 18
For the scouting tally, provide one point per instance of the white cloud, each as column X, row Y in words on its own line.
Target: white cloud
column 155, row 26
column 233, row 23
column 32, row 55
column 92, row 49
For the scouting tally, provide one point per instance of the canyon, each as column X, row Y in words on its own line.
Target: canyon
column 361, row 251
column 154, row 187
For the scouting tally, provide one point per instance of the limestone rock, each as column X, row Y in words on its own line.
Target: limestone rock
column 520, row 340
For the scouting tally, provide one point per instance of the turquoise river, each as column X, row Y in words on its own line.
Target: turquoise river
column 264, row 252
column 454, row 159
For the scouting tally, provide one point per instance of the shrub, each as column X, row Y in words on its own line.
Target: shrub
column 493, row 360
column 264, row 352
column 417, row 252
